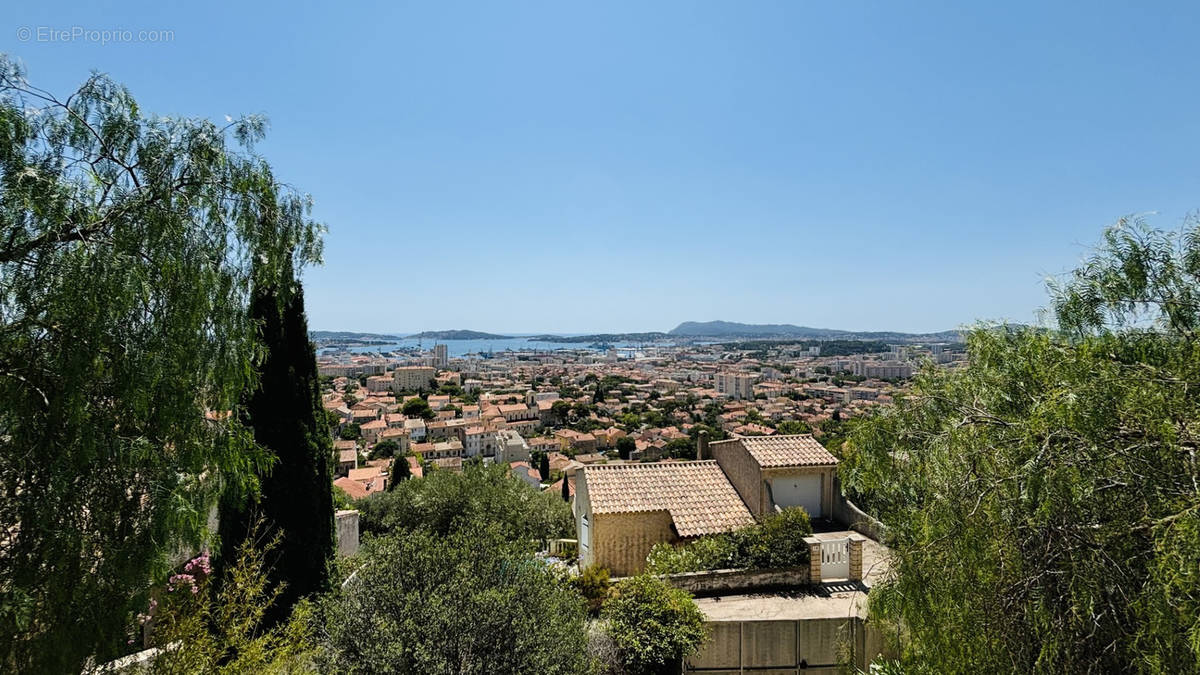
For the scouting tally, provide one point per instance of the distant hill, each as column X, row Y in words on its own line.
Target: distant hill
column 349, row 336
column 726, row 329
column 459, row 334
column 602, row 337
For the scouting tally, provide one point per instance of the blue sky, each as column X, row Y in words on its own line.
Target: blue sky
column 579, row 167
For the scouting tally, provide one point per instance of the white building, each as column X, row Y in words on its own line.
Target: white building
column 735, row 385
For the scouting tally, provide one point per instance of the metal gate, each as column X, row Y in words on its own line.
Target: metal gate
column 835, row 559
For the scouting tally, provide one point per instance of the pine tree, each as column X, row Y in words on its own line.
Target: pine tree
column 286, row 416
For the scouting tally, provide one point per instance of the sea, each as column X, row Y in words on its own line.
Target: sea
column 459, row 348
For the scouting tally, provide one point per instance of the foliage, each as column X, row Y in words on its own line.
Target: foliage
column 445, row 501
column 791, row 427
column 351, row 432
column 1042, row 502
column 401, row 471
column 473, row 602
column 200, row 630
column 778, row 541
column 418, row 407
column 130, row 246
column 560, row 409
column 593, row 583
column 626, row 446
column 384, row 449
column 286, row 415
column 681, row 448
column 341, row 500
column 654, row 625
column 544, row 467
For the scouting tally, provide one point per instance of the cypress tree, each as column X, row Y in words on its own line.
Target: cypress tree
column 287, row 418
column 400, row 471
column 544, row 467
column 566, row 490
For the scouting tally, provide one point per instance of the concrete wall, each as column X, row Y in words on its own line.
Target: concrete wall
column 717, row 582
column 845, row 512
column 792, row 647
column 347, row 532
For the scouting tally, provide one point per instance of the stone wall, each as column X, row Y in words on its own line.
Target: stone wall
column 717, row 582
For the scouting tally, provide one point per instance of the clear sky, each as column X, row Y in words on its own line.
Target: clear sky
column 596, row 167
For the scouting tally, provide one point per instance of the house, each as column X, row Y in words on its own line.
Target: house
column 526, row 473
column 347, row 461
column 454, row 464
column 416, row 429
column 352, row 488
column 779, row 471
column 623, row 510
column 372, row 429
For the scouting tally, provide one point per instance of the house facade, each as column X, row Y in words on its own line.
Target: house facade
column 623, row 510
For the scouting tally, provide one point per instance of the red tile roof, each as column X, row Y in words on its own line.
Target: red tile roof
column 699, row 497
column 796, row 450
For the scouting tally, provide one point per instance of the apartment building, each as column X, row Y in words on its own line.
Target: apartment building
column 735, row 385
column 413, row 378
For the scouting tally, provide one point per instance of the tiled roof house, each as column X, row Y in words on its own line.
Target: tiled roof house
column 623, row 510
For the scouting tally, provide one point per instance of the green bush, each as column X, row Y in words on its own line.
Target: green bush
column 778, row 541
column 593, row 584
column 707, row 553
column 473, row 603
column 654, row 625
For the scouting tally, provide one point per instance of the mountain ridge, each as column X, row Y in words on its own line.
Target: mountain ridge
column 725, row 329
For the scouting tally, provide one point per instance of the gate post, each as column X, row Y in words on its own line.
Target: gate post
column 814, row 559
column 856, row 561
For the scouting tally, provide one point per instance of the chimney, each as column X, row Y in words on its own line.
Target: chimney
column 702, row 445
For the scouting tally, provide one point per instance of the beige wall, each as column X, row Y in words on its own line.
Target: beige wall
column 742, row 471
column 748, row 479
column 621, row 541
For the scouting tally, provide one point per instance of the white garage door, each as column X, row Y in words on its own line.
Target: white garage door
column 799, row 491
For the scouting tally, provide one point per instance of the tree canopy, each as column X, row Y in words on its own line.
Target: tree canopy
column 1042, row 502
column 445, row 501
column 654, row 625
column 129, row 244
column 472, row 602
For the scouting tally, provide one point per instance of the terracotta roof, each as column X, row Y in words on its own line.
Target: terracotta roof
column 353, row 488
column 797, row 450
column 699, row 497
